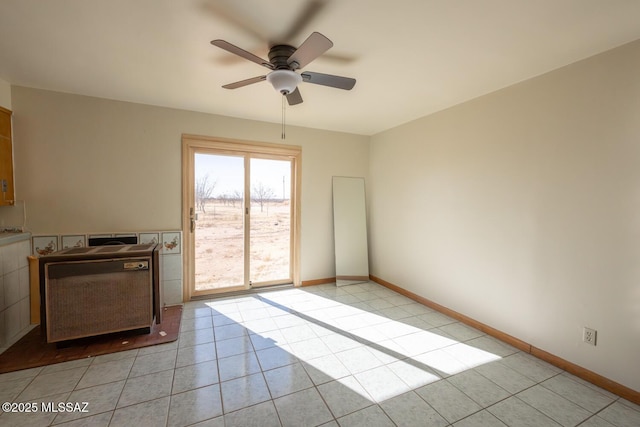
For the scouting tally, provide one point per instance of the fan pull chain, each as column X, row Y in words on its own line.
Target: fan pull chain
column 284, row 107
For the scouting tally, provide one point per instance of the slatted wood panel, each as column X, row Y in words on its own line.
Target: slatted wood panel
column 95, row 304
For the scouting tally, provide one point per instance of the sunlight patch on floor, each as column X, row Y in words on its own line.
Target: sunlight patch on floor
column 371, row 341
column 341, row 341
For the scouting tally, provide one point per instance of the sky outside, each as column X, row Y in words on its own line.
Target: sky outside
column 228, row 173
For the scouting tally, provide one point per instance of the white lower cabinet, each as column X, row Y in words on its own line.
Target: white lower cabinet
column 14, row 291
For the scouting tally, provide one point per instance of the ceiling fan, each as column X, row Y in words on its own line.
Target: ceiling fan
column 284, row 61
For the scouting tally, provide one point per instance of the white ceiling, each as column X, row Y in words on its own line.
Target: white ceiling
column 410, row 57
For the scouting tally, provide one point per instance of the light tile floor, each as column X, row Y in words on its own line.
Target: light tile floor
column 359, row 355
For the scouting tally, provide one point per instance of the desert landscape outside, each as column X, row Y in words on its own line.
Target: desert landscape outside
column 220, row 228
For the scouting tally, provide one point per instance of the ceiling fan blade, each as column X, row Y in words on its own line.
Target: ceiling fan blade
column 312, row 8
column 315, row 45
column 230, row 12
column 294, row 98
column 246, row 82
column 339, row 82
column 222, row 44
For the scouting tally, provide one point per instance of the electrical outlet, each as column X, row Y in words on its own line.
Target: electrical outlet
column 589, row 336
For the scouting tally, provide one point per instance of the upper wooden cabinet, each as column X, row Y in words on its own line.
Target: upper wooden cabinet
column 6, row 158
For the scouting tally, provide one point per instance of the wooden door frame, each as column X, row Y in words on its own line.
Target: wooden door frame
column 191, row 143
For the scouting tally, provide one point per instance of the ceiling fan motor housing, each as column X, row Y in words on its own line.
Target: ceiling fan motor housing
column 279, row 56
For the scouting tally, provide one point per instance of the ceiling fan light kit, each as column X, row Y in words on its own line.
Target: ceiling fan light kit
column 284, row 81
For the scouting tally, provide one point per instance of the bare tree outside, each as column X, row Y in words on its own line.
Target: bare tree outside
column 204, row 189
column 236, row 196
column 262, row 194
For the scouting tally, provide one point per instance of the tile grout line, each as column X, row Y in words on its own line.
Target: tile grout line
column 264, row 378
column 539, row 383
column 601, row 410
column 173, row 378
column 215, row 350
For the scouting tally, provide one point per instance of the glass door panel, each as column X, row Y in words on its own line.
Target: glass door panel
column 219, row 182
column 270, row 222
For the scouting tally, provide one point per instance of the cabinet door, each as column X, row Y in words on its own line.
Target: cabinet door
column 6, row 158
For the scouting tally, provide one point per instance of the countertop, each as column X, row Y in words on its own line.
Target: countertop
column 13, row 237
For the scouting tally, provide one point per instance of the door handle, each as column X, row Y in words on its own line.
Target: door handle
column 193, row 217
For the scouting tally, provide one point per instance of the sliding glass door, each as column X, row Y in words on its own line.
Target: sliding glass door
column 241, row 215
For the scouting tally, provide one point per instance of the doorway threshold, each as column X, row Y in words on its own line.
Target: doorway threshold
column 251, row 291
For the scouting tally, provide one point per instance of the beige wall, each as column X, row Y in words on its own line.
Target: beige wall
column 5, row 94
column 87, row 165
column 521, row 209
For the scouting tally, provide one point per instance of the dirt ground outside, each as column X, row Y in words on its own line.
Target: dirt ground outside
column 219, row 242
